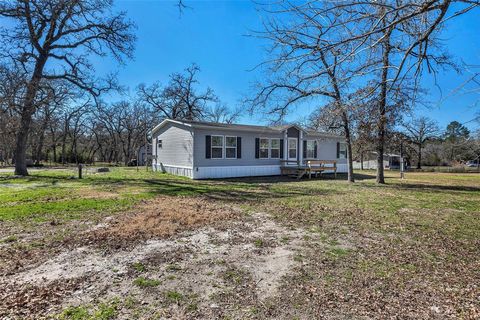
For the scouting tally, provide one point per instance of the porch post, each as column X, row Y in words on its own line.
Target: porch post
column 285, row 145
column 300, row 147
column 155, row 157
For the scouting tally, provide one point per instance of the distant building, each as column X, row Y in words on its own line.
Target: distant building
column 144, row 153
column 390, row 161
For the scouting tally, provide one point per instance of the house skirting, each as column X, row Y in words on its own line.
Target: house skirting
column 227, row 171
column 235, row 171
column 175, row 170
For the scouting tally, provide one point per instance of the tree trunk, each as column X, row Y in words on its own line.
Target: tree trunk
column 361, row 160
column 41, row 139
column 54, row 150
column 64, row 147
column 419, row 164
column 38, row 152
column 346, row 126
column 53, row 145
column 64, row 140
column 382, row 106
column 21, row 144
column 74, row 149
column 380, row 150
column 26, row 117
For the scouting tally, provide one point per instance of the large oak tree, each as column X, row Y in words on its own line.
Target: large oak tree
column 54, row 40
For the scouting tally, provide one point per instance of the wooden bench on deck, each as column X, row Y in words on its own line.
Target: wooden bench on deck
column 319, row 166
column 295, row 168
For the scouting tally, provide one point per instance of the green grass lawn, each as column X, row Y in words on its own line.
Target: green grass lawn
column 58, row 194
column 426, row 200
column 394, row 250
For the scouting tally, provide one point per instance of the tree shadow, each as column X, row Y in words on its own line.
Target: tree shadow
column 363, row 176
column 227, row 190
column 281, row 179
column 435, row 187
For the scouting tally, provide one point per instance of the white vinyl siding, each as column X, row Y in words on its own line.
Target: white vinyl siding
column 247, row 149
column 173, row 145
column 236, row 171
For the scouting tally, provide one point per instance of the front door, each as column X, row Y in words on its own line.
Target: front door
column 292, row 149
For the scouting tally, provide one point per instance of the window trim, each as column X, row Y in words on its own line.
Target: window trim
column 344, row 145
column 225, row 147
column 159, row 143
column 259, row 148
column 217, row 147
column 306, row 151
column 270, row 148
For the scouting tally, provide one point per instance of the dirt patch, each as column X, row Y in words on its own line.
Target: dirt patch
column 159, row 217
column 203, row 273
column 91, row 193
column 163, row 217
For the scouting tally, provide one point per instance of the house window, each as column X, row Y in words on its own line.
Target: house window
column 231, row 147
column 311, row 149
column 275, row 148
column 264, row 144
column 342, row 153
column 292, row 148
column 217, row 147
column 159, row 144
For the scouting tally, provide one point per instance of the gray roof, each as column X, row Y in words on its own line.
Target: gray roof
column 231, row 125
column 243, row 127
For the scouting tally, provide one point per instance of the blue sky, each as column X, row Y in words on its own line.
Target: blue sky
column 213, row 35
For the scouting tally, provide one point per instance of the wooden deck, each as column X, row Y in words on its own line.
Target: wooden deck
column 312, row 167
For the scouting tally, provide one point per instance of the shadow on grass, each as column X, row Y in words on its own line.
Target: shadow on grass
column 420, row 187
column 234, row 189
column 238, row 189
column 227, row 190
column 362, row 176
column 288, row 179
column 435, row 187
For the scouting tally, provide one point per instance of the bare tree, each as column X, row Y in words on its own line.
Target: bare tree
column 179, row 99
column 181, row 89
column 155, row 97
column 306, row 65
column 120, row 128
column 419, row 131
column 221, row 113
column 325, row 119
column 384, row 43
column 63, row 33
column 11, row 90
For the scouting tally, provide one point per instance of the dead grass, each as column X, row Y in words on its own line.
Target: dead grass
column 91, row 193
column 33, row 301
column 165, row 216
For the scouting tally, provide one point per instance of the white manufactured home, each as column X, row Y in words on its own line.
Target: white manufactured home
column 204, row 150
